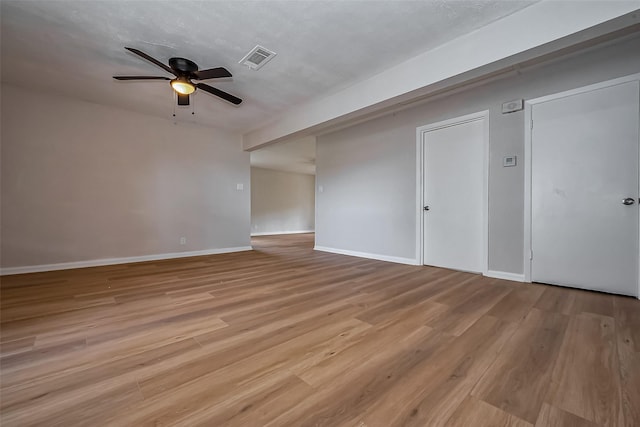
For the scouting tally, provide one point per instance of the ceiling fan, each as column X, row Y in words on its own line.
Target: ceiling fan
column 185, row 71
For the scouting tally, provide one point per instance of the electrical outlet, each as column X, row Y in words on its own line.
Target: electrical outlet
column 183, row 240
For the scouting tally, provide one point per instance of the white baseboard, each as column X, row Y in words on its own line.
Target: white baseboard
column 505, row 275
column 388, row 258
column 114, row 261
column 275, row 233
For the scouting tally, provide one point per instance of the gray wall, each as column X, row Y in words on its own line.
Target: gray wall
column 281, row 202
column 368, row 171
column 85, row 182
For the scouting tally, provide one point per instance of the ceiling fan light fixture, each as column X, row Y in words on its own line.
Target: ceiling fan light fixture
column 183, row 86
column 184, row 70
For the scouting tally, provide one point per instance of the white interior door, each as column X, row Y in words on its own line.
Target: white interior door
column 453, row 187
column 584, row 154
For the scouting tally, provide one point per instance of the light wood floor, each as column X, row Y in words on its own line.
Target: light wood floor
column 285, row 336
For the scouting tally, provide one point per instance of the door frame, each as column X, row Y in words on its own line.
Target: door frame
column 420, row 173
column 528, row 126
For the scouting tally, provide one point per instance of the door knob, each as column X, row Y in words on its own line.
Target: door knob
column 628, row 201
column 426, row 208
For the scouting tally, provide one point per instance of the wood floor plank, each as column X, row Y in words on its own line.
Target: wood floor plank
column 379, row 340
column 630, row 386
column 78, row 353
column 586, row 379
column 593, row 302
column 520, row 377
column 515, row 306
column 432, row 390
column 250, row 346
column 416, row 290
column 82, row 406
column 469, row 310
column 203, row 393
column 198, row 401
column 20, row 345
column 550, row 416
column 557, row 300
column 627, row 315
column 338, row 403
column 258, row 409
column 330, row 348
column 627, row 318
column 476, row 413
column 285, row 335
column 127, row 369
column 41, row 355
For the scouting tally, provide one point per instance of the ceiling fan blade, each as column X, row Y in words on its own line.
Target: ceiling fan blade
column 153, row 60
column 211, row 73
column 217, row 92
column 140, row 78
column 182, row 99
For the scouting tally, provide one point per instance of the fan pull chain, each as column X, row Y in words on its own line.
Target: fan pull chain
column 175, row 101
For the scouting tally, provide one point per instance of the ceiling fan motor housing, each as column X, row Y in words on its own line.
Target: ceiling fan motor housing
column 183, row 65
column 184, row 68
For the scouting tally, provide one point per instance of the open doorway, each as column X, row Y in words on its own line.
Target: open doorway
column 283, row 189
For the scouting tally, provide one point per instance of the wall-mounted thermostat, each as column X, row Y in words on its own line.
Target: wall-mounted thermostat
column 513, row 106
column 508, row 161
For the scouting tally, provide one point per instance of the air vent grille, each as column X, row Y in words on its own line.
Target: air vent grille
column 257, row 57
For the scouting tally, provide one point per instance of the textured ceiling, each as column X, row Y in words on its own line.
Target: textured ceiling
column 74, row 47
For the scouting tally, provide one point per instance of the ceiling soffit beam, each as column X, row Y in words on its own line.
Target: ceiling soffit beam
column 533, row 32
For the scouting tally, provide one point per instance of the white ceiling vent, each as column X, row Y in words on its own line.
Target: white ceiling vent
column 257, row 57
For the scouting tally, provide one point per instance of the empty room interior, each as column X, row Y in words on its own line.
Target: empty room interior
column 320, row 213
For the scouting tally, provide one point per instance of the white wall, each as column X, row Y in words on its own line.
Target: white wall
column 281, row 202
column 368, row 171
column 82, row 182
